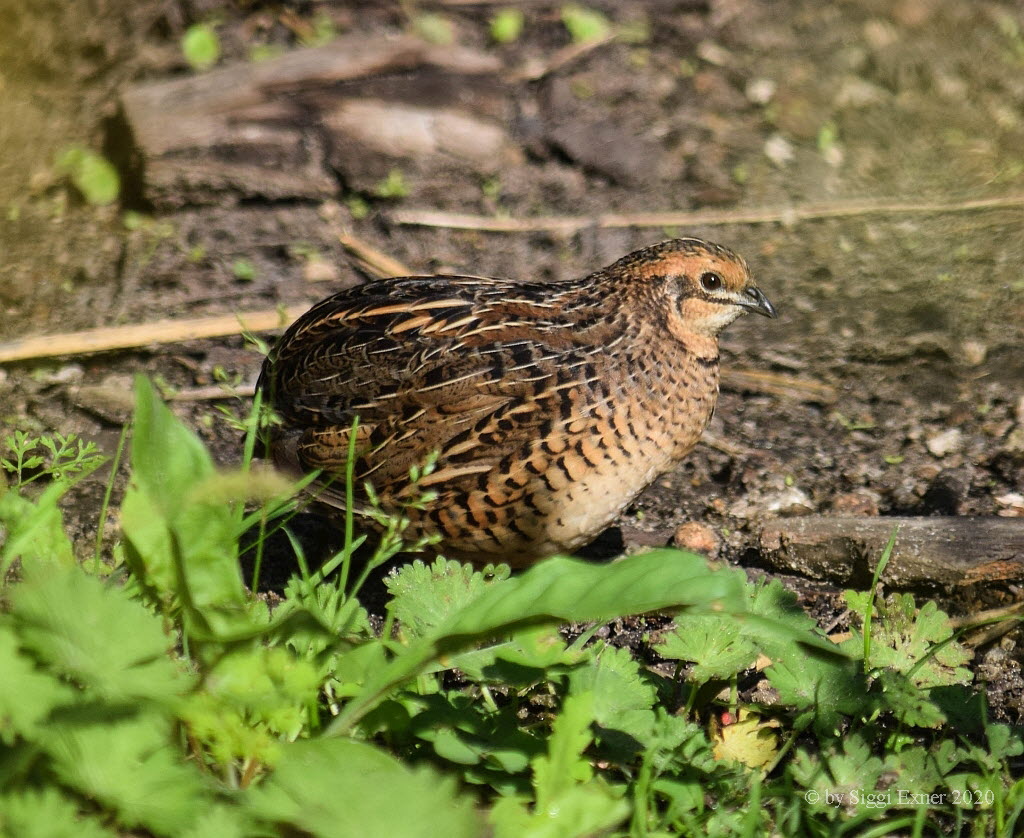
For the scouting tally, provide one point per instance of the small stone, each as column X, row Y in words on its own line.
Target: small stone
column 856, row 503
column 945, row 443
column 697, row 537
column 1014, row 445
column 974, row 352
column 320, row 270
column 761, row 91
column 112, row 399
column 790, row 501
column 1011, row 505
column 779, row 150
column 68, row 374
column 714, row 53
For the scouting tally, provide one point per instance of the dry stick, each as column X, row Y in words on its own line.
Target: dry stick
column 769, row 215
column 372, row 260
column 779, row 384
column 145, row 334
column 174, row 331
column 562, row 58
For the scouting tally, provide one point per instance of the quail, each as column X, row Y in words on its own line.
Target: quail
column 549, row 406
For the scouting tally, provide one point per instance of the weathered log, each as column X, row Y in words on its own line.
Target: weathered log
column 274, row 129
column 929, row 552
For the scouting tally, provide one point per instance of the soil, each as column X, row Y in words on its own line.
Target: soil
column 916, row 319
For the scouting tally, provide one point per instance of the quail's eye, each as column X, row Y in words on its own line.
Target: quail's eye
column 710, row 281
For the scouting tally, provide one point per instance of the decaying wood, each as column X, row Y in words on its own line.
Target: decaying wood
column 407, row 131
column 268, row 129
column 929, row 552
column 146, row 334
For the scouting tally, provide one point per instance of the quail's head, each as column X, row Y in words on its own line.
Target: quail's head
column 700, row 287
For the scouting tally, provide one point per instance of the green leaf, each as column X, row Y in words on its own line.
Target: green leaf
column 507, row 25
column 200, row 46
column 908, row 702
column 569, row 590
column 253, row 698
column 46, row 813
column 569, row 800
column 713, row 642
column 557, row 591
column 244, row 270
column 678, row 743
column 95, row 634
column 180, row 531
column 34, row 530
column 622, row 697
column 582, row 812
column 826, row 688
column 585, row 24
column 168, row 460
column 424, row 596
column 846, row 768
column 29, row 694
column 393, row 186
column 563, row 766
column 1004, row 742
column 911, row 641
column 339, row 788
column 128, row 765
column 92, row 175
column 221, row 821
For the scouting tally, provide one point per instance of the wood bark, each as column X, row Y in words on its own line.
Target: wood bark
column 286, row 128
column 942, row 552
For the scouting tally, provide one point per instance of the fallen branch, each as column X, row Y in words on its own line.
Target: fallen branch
column 146, row 334
column 929, row 552
column 568, row 224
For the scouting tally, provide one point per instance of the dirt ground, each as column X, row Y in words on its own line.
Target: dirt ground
column 914, row 319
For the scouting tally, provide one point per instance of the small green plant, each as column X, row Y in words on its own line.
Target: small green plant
column 57, row 457
column 393, row 186
column 434, row 28
column 585, row 24
column 201, row 46
column 243, row 270
column 322, row 31
column 507, row 25
column 357, row 206
column 91, row 174
column 169, row 700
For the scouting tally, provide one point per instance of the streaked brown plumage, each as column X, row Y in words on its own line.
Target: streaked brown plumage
column 550, row 405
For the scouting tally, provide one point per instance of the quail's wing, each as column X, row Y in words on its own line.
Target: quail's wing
column 469, row 368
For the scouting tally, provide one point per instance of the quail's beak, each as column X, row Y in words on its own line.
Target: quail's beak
column 753, row 299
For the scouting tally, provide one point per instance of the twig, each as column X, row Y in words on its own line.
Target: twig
column 145, row 334
column 779, row 384
column 765, row 215
column 371, row 260
column 214, row 392
column 733, row 449
column 561, row 58
column 978, row 618
column 491, row 2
